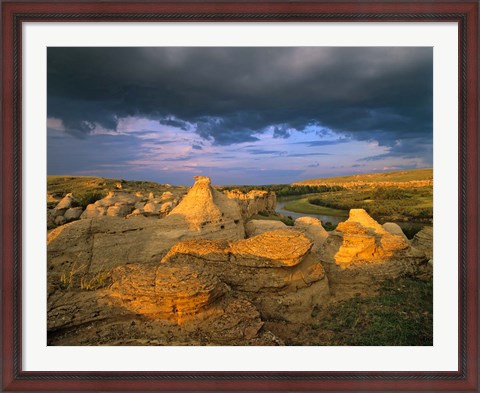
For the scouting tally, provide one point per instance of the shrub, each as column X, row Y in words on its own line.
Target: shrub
column 86, row 199
column 329, row 226
column 410, row 230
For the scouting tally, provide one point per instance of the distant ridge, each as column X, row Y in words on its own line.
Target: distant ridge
column 406, row 178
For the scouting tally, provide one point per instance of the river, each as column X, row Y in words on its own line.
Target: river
column 333, row 219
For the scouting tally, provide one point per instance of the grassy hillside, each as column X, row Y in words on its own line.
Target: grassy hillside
column 412, row 177
column 58, row 186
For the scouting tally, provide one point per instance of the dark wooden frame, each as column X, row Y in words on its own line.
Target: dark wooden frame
column 14, row 13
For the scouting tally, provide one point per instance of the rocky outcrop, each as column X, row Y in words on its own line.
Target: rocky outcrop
column 276, row 271
column 65, row 203
column 208, row 210
column 104, row 242
column 361, row 252
column 256, row 227
column 365, row 241
column 253, row 202
column 158, row 206
column 115, row 204
column 394, row 229
column 313, row 229
column 156, row 306
column 423, row 241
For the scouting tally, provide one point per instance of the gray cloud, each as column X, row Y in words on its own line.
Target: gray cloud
column 230, row 95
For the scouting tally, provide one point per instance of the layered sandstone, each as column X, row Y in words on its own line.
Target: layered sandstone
column 253, row 202
column 361, row 252
column 275, row 270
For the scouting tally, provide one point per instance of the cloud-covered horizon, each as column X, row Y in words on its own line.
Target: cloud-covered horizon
column 277, row 109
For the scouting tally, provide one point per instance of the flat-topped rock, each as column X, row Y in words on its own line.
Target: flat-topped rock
column 275, row 270
column 283, row 247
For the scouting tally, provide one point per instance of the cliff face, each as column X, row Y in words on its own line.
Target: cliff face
column 253, row 202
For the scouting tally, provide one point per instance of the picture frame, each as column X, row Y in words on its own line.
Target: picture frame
column 15, row 13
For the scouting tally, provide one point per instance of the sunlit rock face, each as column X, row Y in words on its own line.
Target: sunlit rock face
column 208, row 210
column 361, row 252
column 253, row 202
column 365, row 240
column 276, row 270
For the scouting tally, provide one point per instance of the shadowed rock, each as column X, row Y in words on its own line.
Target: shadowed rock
column 313, row 229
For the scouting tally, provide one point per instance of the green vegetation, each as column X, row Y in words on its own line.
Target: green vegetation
column 425, row 174
column 274, row 217
column 305, row 206
column 385, row 204
column 401, row 314
column 86, row 199
column 282, row 190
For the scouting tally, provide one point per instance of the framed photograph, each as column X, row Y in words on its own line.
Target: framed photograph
column 239, row 196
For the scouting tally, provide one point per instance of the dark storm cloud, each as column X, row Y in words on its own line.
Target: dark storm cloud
column 231, row 95
column 66, row 154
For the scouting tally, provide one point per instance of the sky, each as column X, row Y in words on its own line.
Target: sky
column 253, row 115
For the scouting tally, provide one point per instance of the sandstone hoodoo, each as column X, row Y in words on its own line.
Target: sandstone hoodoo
column 205, row 208
column 361, row 251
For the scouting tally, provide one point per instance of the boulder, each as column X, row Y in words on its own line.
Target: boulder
column 151, row 208
column 60, row 220
column 65, row 202
column 119, row 210
column 73, row 213
column 94, row 211
column 166, row 196
column 394, row 229
column 423, row 241
column 313, row 229
column 256, row 227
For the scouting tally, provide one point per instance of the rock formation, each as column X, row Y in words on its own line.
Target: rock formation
column 361, row 252
column 423, row 241
column 256, row 227
column 206, row 209
column 276, row 270
column 313, row 229
column 253, row 202
column 103, row 242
